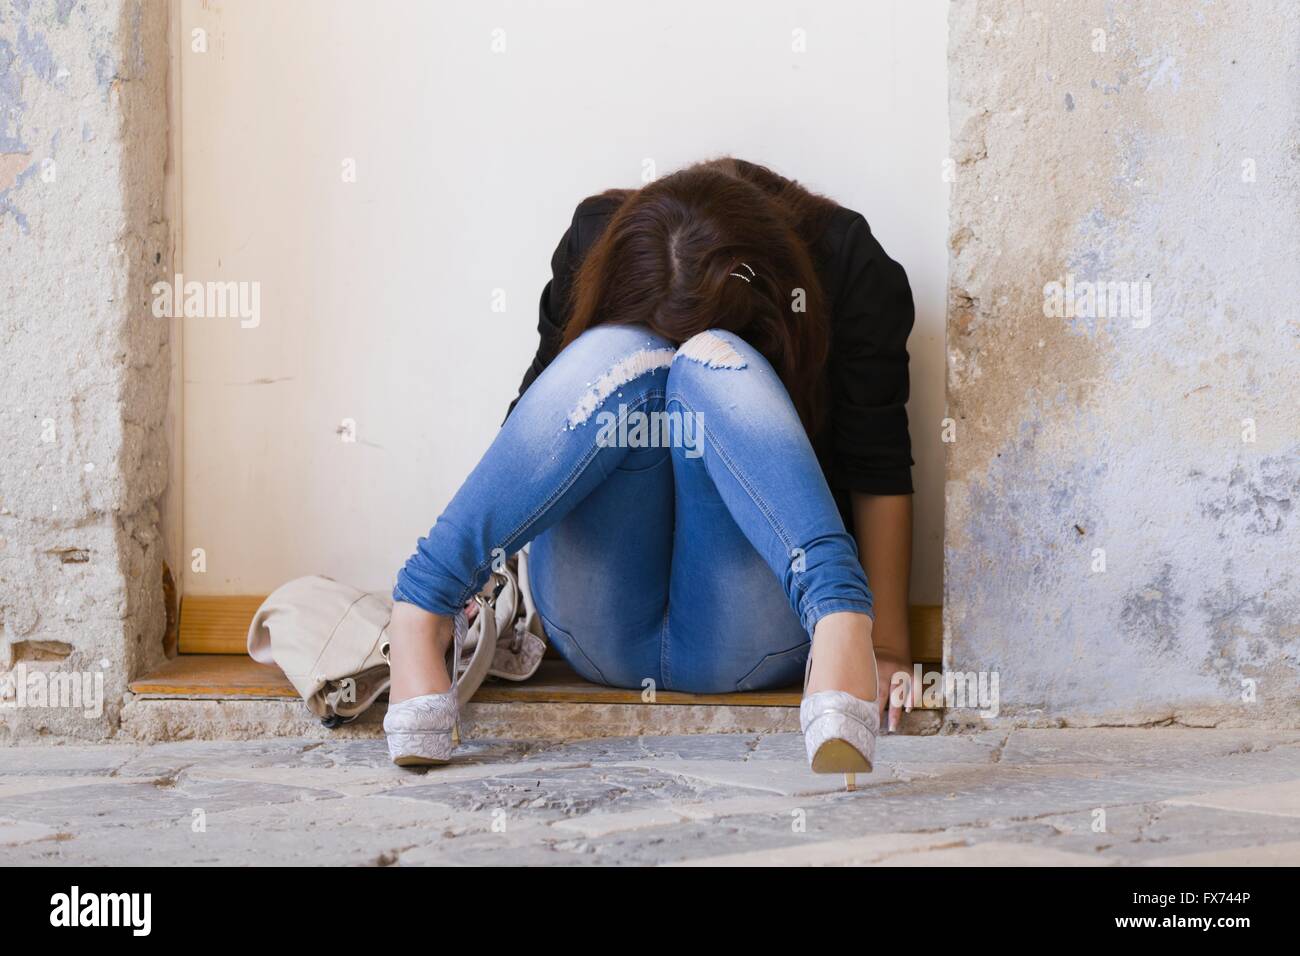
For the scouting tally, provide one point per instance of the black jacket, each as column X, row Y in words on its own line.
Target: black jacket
column 864, row 444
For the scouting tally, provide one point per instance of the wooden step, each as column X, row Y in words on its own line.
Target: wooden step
column 214, row 675
column 227, row 676
column 219, row 625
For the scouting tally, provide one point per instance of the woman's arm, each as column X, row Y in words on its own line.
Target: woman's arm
column 882, row 525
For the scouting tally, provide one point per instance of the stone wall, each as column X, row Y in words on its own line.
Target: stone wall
column 1122, row 543
column 83, row 393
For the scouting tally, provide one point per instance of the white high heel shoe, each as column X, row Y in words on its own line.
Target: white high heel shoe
column 423, row 731
column 839, row 730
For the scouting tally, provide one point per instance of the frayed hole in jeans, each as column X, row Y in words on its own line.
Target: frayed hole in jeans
column 712, row 350
column 633, row 366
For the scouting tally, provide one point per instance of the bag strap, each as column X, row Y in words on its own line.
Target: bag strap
column 486, row 648
column 526, row 589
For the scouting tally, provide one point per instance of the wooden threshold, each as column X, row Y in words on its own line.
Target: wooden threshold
column 214, row 675
column 226, row 676
column 219, row 625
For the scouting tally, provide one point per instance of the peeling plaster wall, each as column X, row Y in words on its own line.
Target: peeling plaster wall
column 83, row 143
column 1130, row 163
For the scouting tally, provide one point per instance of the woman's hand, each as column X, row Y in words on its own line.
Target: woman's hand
column 883, row 526
column 897, row 691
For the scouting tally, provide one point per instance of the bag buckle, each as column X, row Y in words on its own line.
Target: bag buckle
column 491, row 600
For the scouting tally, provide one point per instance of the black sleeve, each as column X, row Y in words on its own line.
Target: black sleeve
column 873, row 316
column 552, row 312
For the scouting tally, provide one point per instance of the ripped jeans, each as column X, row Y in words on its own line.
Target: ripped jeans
column 682, row 531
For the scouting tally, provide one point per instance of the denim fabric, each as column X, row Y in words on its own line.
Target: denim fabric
column 703, row 566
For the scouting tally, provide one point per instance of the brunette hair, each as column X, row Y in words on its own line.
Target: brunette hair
column 666, row 259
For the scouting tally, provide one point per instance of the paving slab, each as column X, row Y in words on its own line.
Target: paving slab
column 772, row 776
column 863, row 850
column 17, row 832
column 552, row 793
column 1274, row 799
column 1277, row 854
column 100, row 759
column 992, row 853
column 1126, row 745
column 105, row 805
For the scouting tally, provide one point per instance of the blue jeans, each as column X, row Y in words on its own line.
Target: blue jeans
column 703, row 566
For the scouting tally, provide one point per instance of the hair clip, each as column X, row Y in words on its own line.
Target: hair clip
column 746, row 278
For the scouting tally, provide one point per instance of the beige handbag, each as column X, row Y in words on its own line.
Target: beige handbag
column 331, row 641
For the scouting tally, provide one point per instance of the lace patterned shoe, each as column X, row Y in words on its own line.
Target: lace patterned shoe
column 839, row 730
column 423, row 731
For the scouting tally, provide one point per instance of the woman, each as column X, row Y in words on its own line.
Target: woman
column 760, row 331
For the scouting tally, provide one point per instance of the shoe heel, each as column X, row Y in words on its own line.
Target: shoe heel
column 420, row 749
column 837, row 755
column 840, row 733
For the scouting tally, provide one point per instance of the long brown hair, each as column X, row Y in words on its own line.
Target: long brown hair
column 666, row 259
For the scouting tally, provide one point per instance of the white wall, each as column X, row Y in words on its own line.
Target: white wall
column 376, row 295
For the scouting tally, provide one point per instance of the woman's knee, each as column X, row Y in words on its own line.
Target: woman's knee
column 605, row 366
column 606, row 362
column 720, row 360
column 717, row 348
column 611, row 343
column 717, row 374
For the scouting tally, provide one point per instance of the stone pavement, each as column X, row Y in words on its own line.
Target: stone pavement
column 1075, row 797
